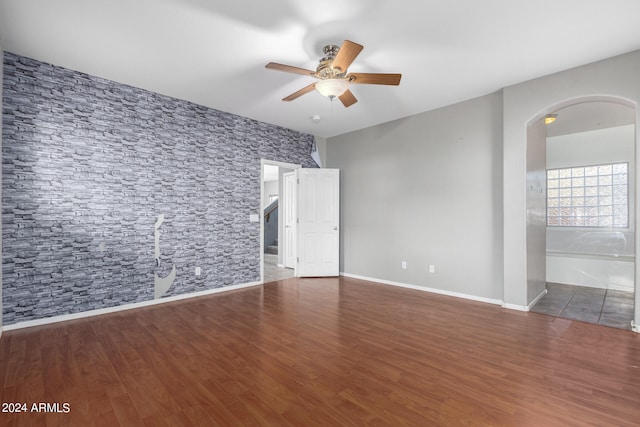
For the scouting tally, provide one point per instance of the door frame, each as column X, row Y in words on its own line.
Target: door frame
column 286, row 204
column 261, row 214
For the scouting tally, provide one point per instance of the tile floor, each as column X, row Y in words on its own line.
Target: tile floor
column 592, row 305
column 271, row 270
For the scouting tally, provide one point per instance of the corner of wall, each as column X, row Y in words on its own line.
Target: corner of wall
column 321, row 146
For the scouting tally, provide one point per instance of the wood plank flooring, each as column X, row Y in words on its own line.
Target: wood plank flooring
column 325, row 352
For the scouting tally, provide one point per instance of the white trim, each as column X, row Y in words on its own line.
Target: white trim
column 425, row 289
column 538, row 298
column 100, row 311
column 515, row 307
column 525, row 307
column 582, row 255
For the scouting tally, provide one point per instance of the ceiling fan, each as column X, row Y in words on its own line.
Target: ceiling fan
column 332, row 72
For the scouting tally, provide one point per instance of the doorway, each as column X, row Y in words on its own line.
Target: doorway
column 589, row 219
column 276, row 211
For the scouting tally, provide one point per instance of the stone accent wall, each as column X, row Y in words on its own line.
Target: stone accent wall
column 89, row 164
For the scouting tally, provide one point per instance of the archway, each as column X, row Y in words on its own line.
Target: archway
column 582, row 244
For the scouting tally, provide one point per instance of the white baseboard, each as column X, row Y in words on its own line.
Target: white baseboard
column 98, row 312
column 536, row 299
column 524, row 307
column 425, row 289
column 515, row 307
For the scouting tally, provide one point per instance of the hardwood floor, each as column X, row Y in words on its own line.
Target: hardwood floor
column 305, row 352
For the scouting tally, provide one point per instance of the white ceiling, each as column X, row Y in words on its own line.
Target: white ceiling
column 213, row 52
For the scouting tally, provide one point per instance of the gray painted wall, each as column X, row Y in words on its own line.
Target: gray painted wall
column 271, row 225
column 536, row 210
column 270, row 188
column 407, row 186
column 89, row 164
column 321, row 145
column 426, row 189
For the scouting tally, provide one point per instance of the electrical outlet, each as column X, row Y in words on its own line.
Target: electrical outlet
column 404, row 265
column 198, row 271
column 432, row 268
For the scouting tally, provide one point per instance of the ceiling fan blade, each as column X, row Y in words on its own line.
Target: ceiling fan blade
column 375, row 78
column 301, row 92
column 347, row 53
column 347, row 98
column 289, row 69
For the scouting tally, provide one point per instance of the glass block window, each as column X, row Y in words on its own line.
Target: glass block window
column 588, row 196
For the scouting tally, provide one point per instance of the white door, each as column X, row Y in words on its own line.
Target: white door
column 289, row 201
column 318, row 222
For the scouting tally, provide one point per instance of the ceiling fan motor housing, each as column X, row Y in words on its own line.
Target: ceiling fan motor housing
column 324, row 69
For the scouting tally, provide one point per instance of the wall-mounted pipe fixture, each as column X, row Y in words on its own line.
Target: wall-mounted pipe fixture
column 161, row 284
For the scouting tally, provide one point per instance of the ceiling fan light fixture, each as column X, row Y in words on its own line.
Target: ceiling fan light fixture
column 332, row 88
